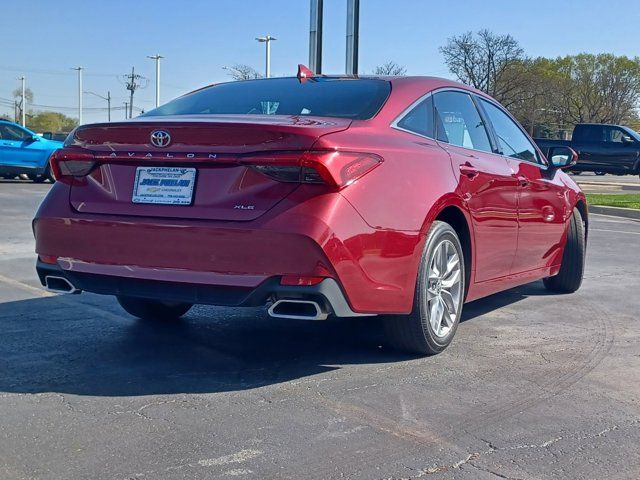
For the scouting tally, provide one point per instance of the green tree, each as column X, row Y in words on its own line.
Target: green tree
column 51, row 122
column 601, row 88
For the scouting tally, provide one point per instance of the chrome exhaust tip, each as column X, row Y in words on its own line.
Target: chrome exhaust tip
column 57, row 284
column 297, row 310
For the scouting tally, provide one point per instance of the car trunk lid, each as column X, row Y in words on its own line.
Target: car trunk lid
column 224, row 189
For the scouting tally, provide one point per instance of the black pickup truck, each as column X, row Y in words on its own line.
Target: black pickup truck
column 601, row 148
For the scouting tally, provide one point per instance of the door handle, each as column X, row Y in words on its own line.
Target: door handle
column 469, row 170
column 523, row 181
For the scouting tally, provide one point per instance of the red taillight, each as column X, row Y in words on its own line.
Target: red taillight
column 291, row 280
column 50, row 259
column 71, row 162
column 334, row 168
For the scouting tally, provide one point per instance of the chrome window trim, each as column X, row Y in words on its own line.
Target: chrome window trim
column 408, row 110
column 471, row 94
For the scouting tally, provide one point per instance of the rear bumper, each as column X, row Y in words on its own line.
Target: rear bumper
column 327, row 293
column 232, row 263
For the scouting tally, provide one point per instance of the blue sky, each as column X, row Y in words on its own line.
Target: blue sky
column 44, row 39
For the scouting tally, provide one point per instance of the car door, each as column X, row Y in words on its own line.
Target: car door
column 542, row 208
column 587, row 141
column 486, row 180
column 619, row 150
column 18, row 147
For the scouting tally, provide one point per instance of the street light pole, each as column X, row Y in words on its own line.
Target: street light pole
column 267, row 40
column 157, row 58
column 107, row 98
column 24, row 103
column 79, row 69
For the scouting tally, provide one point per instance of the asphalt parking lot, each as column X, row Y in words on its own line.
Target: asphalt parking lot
column 534, row 386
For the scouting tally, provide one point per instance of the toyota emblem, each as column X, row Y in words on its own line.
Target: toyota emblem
column 160, row 138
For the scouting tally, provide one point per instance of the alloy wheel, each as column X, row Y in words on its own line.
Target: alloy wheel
column 444, row 288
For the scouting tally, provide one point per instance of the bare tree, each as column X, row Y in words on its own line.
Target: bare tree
column 17, row 95
column 485, row 61
column 390, row 68
column 242, row 72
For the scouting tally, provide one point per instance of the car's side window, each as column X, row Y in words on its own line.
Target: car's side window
column 458, row 121
column 513, row 142
column 9, row 132
column 420, row 119
column 614, row 135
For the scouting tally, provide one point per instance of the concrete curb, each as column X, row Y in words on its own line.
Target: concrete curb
column 607, row 184
column 604, row 187
column 615, row 211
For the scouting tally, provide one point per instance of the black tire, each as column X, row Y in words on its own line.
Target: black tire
column 569, row 278
column 600, row 174
column 153, row 309
column 414, row 333
column 43, row 177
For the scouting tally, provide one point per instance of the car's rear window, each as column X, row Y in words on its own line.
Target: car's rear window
column 358, row 99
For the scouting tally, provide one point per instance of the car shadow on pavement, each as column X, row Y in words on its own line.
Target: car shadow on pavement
column 85, row 345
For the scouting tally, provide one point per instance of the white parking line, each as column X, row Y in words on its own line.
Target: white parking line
column 613, row 231
column 14, row 283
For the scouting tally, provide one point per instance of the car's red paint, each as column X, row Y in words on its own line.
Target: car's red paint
column 368, row 236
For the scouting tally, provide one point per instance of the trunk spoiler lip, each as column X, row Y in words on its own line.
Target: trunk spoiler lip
column 226, row 120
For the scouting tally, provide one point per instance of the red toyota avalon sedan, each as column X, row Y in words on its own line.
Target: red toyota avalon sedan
column 404, row 197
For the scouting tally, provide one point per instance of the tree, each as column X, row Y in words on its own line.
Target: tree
column 51, row 122
column 242, row 72
column 486, row 61
column 390, row 68
column 600, row 88
column 17, row 95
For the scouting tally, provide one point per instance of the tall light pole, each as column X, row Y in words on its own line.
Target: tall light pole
column 315, row 37
column 24, row 103
column 108, row 99
column 157, row 58
column 353, row 36
column 79, row 70
column 267, row 40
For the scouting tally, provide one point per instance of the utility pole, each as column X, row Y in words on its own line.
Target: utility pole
column 24, row 103
column 133, row 82
column 267, row 40
column 79, row 70
column 157, row 58
column 315, row 37
column 107, row 98
column 108, row 106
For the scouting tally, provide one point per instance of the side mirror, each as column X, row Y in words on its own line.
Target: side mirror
column 627, row 140
column 562, row 157
column 32, row 138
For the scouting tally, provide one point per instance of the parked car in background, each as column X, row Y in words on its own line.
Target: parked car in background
column 397, row 196
column 24, row 152
column 58, row 136
column 601, row 148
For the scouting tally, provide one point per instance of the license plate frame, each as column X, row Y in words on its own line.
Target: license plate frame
column 164, row 185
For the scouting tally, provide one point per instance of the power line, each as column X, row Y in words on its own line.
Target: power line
column 53, row 72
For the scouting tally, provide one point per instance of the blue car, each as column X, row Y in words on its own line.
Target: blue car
column 22, row 151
